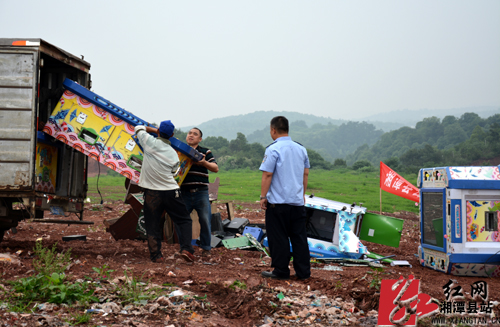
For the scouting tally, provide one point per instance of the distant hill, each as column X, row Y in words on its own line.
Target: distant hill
column 410, row 118
column 228, row 127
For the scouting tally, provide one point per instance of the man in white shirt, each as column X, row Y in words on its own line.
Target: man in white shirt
column 161, row 191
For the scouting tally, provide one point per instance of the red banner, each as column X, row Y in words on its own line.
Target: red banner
column 391, row 182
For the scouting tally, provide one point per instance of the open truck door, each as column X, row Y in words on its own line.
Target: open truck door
column 18, row 82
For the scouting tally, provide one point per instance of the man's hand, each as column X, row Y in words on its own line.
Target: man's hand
column 263, row 204
column 154, row 130
column 264, row 188
column 212, row 166
column 202, row 162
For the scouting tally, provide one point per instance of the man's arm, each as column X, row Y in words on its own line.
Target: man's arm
column 150, row 129
column 264, row 188
column 212, row 166
column 306, row 176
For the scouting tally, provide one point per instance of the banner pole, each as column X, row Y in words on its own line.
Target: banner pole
column 380, row 200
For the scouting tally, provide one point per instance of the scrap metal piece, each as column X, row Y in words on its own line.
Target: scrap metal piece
column 256, row 244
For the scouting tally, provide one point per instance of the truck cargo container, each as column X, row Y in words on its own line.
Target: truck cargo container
column 37, row 172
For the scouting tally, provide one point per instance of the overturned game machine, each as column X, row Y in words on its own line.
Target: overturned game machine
column 105, row 132
column 335, row 229
column 459, row 220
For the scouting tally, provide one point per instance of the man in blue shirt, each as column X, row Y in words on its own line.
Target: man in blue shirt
column 285, row 170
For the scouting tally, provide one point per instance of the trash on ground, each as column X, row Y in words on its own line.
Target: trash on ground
column 5, row 257
column 332, row 268
column 400, row 263
column 176, row 293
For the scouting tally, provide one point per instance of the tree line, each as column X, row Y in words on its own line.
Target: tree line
column 451, row 141
column 432, row 142
column 240, row 154
column 330, row 141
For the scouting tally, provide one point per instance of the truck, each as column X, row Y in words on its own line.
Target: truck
column 37, row 172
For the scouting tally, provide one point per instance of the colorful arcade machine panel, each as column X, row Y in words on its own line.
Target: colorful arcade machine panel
column 338, row 227
column 94, row 132
column 483, row 223
column 183, row 168
column 46, row 168
column 105, row 132
column 434, row 177
column 475, row 173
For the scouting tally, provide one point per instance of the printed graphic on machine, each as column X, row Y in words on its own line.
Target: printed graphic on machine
column 46, row 168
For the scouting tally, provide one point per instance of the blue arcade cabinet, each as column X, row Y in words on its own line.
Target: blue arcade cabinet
column 459, row 220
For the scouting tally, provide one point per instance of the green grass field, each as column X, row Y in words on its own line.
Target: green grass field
column 341, row 185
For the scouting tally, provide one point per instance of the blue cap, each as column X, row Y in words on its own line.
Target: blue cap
column 166, row 128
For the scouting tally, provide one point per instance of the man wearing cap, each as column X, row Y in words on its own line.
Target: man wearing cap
column 285, row 171
column 161, row 191
column 195, row 188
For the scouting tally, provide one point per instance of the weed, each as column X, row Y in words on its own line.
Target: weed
column 53, row 289
column 238, row 284
column 238, row 207
column 47, row 262
column 78, row 319
column 50, row 284
column 200, row 297
column 135, row 291
column 338, row 285
column 376, row 277
column 103, row 272
column 168, row 285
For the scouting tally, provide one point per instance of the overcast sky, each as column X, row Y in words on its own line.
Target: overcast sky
column 191, row 61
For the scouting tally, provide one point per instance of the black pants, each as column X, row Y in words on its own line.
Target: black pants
column 284, row 224
column 155, row 202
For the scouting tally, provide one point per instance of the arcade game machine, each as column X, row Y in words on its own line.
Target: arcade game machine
column 459, row 220
column 105, row 132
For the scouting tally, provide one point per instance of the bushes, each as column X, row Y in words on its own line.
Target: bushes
column 363, row 165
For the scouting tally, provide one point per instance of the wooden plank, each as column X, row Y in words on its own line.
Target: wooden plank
column 230, row 210
column 214, row 208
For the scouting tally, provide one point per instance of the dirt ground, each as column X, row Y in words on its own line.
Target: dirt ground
column 347, row 290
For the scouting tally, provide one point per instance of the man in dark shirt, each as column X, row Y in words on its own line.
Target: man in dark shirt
column 194, row 188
